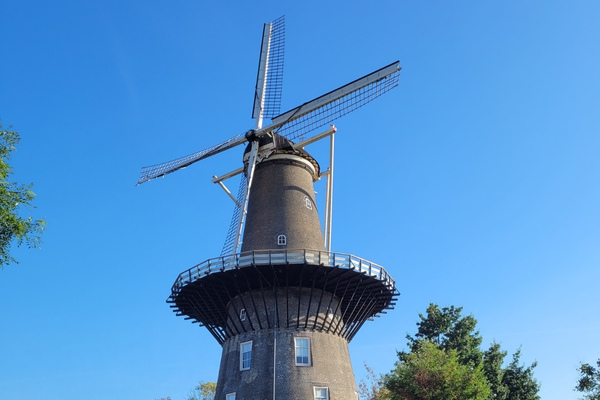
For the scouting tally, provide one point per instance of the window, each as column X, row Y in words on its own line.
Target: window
column 245, row 355
column 321, row 393
column 243, row 314
column 281, row 240
column 329, row 313
column 302, row 351
column 230, row 396
column 308, row 203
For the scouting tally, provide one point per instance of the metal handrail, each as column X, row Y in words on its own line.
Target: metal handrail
column 269, row 257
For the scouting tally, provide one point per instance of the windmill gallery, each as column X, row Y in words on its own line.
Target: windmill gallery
column 281, row 304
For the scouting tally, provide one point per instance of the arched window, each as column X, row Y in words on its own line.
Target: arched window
column 281, row 240
column 308, row 203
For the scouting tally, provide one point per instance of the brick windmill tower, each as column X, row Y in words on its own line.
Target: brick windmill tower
column 281, row 304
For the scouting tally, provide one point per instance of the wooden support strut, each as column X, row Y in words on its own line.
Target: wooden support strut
column 252, row 299
column 319, row 305
column 338, row 307
column 310, row 297
column 243, row 305
column 337, row 282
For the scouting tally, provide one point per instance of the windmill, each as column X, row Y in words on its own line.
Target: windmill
column 285, row 284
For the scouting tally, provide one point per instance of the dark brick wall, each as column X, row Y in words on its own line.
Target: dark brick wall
column 330, row 358
column 331, row 367
column 277, row 206
column 281, row 190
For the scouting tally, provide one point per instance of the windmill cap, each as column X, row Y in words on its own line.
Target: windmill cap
column 275, row 144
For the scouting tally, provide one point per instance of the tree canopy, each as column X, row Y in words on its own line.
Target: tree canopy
column 14, row 197
column 450, row 331
column 204, row 391
column 589, row 381
column 445, row 361
column 430, row 373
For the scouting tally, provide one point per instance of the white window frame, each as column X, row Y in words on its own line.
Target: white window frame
column 308, row 363
column 319, row 396
column 243, row 314
column 281, row 240
column 230, row 396
column 242, row 352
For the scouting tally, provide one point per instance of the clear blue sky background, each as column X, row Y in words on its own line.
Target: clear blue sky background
column 475, row 182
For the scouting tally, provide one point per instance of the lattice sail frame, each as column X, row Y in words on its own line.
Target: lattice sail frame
column 300, row 125
column 275, row 41
column 305, row 118
column 232, row 232
column 159, row 170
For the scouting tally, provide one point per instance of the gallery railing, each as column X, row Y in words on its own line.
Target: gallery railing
column 278, row 257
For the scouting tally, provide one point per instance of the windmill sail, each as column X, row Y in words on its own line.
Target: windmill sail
column 269, row 79
column 232, row 234
column 301, row 120
column 325, row 109
column 267, row 100
column 160, row 170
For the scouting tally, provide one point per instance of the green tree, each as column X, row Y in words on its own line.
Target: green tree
column 493, row 359
column 589, row 381
column 14, row 228
column 430, row 373
column 519, row 381
column 204, row 391
column 448, row 329
column 451, row 332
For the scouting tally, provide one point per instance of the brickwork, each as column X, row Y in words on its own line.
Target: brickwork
column 329, row 367
column 282, row 202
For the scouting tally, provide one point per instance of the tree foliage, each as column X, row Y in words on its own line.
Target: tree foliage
column 371, row 388
column 14, row 228
column 431, row 373
column 589, row 381
column 493, row 359
column 445, row 360
column 204, row 391
column 518, row 380
column 450, row 331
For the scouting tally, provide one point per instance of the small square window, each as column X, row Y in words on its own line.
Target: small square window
column 321, row 393
column 230, row 396
column 281, row 240
column 243, row 314
column 245, row 355
column 302, row 351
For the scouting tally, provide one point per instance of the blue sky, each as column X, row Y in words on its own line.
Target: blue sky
column 475, row 182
